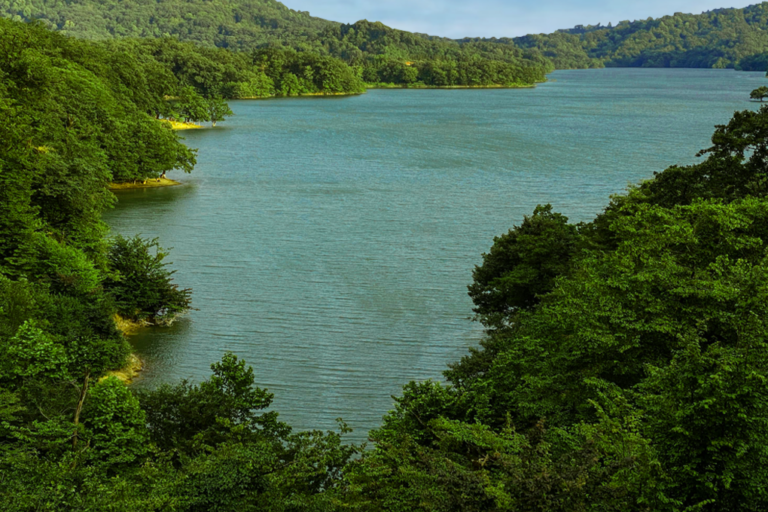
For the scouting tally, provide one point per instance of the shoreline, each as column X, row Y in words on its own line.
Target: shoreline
column 132, row 369
column 133, row 365
column 403, row 86
column 149, row 183
column 126, row 326
column 180, row 125
column 305, row 95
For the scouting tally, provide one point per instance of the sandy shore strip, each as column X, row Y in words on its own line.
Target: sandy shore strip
column 150, row 183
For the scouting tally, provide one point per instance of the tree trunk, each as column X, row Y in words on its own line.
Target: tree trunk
column 79, row 409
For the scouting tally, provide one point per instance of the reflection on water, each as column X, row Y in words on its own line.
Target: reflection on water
column 330, row 242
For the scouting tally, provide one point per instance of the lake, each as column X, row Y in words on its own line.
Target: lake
column 329, row 241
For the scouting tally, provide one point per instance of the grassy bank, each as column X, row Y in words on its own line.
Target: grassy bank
column 422, row 86
column 150, row 183
column 133, row 364
column 130, row 371
column 179, row 125
column 309, row 94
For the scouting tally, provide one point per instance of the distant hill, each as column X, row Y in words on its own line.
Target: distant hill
column 223, row 23
column 249, row 24
column 723, row 38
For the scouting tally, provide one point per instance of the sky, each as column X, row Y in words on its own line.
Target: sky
column 498, row 18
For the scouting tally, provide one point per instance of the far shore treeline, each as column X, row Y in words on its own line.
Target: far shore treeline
column 624, row 365
column 171, row 79
column 720, row 38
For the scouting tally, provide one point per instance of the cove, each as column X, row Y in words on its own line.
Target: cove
column 329, row 241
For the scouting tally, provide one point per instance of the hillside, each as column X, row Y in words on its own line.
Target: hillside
column 245, row 25
column 624, row 365
column 380, row 52
column 723, row 38
column 235, row 24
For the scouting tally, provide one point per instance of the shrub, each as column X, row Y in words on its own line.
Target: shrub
column 141, row 283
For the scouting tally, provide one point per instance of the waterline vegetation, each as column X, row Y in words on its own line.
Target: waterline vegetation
column 720, row 38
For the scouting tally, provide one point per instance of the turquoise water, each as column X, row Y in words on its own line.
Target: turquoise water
column 329, row 241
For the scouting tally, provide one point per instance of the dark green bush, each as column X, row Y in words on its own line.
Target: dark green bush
column 141, row 283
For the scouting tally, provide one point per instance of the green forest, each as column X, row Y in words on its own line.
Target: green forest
column 722, row 38
column 624, row 365
column 378, row 54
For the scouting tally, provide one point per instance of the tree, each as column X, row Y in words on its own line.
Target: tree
column 140, row 282
column 115, row 425
column 191, row 106
column 236, row 454
column 640, row 372
column 224, row 408
column 522, row 266
column 760, row 93
column 218, row 110
column 707, row 414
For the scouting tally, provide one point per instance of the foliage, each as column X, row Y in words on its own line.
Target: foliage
column 76, row 116
column 522, row 266
column 756, row 62
column 721, row 38
column 760, row 93
column 378, row 53
column 116, row 425
column 85, row 125
column 232, row 453
column 191, row 106
column 218, row 110
column 198, row 75
column 240, row 24
column 31, row 354
column 625, row 363
column 140, row 282
column 188, row 417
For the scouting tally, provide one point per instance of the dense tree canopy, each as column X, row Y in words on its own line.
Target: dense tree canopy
column 722, row 38
column 379, row 53
column 242, row 24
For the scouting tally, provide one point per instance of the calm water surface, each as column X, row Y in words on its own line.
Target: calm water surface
column 329, row 242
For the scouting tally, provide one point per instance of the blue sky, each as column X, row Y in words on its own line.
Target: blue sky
column 488, row 18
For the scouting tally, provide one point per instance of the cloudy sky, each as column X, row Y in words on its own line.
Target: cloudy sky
column 500, row 18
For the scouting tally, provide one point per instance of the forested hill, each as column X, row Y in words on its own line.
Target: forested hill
column 245, row 24
column 232, row 23
column 723, row 38
column 383, row 55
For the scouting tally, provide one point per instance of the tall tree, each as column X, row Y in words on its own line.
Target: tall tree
column 218, row 110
